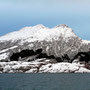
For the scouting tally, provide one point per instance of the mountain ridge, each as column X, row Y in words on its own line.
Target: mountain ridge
column 61, row 33
column 35, row 28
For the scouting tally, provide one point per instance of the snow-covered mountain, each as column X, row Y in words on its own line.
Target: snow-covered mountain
column 38, row 32
column 57, row 41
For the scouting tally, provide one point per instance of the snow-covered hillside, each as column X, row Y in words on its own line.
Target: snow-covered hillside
column 58, row 41
column 39, row 32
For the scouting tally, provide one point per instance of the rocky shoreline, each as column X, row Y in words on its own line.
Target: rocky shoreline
column 42, row 66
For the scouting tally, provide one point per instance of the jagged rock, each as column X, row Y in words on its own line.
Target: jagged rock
column 82, row 56
column 26, row 53
column 38, row 51
column 15, row 57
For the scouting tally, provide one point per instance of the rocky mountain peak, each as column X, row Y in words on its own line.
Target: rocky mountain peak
column 61, row 25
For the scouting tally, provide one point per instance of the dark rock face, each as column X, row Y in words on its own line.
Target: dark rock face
column 51, row 57
column 38, row 51
column 42, row 55
column 65, row 58
column 26, row 53
column 59, row 59
column 38, row 55
column 15, row 57
column 82, row 56
column 22, row 54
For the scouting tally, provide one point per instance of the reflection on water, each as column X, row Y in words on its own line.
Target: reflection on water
column 44, row 81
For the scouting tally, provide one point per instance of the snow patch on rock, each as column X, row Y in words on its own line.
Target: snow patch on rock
column 3, row 56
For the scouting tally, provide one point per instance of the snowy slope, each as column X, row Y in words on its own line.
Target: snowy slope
column 85, row 41
column 38, row 32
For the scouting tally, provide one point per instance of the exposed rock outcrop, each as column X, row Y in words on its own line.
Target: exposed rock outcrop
column 82, row 56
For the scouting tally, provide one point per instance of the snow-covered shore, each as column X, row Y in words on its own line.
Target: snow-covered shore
column 41, row 66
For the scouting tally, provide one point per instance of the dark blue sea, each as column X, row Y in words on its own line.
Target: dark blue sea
column 44, row 81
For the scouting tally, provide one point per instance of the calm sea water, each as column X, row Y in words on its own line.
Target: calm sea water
column 44, row 81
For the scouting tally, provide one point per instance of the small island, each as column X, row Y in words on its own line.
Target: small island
column 39, row 49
